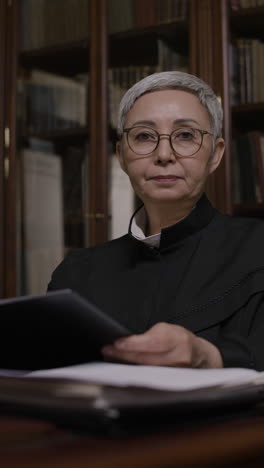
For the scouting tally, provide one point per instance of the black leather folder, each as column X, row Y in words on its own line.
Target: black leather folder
column 56, row 329
column 114, row 411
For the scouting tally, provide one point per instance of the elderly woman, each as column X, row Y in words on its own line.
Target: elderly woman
column 186, row 280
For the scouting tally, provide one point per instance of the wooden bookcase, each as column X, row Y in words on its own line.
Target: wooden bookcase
column 203, row 37
column 246, row 26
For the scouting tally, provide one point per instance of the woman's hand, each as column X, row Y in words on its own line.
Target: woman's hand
column 165, row 345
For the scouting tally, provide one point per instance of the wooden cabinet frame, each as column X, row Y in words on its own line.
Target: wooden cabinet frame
column 98, row 123
column 208, row 48
column 2, row 149
column 8, row 35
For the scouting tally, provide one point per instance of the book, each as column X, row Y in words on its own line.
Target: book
column 55, row 329
column 120, row 79
column 256, row 46
column 241, row 45
column 246, row 68
column 234, row 74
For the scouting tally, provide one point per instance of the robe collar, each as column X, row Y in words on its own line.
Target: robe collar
column 199, row 217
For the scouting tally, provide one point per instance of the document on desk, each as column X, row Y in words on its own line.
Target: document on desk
column 113, row 397
column 155, row 377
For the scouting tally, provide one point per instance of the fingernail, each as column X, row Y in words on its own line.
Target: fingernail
column 107, row 350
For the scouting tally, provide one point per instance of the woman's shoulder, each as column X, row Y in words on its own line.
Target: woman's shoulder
column 80, row 263
column 238, row 237
column 239, row 225
column 88, row 253
column 94, row 253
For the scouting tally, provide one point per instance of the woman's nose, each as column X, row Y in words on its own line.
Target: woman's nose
column 164, row 152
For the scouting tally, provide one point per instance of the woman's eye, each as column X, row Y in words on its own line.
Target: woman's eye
column 185, row 135
column 145, row 136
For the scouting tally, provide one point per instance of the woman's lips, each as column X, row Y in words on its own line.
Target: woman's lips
column 167, row 178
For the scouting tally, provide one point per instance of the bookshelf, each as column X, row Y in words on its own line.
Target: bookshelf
column 116, row 43
column 46, row 87
column 247, row 107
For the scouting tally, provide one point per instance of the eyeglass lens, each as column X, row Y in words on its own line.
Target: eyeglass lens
column 184, row 141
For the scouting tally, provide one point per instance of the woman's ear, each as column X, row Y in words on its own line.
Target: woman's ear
column 120, row 155
column 217, row 155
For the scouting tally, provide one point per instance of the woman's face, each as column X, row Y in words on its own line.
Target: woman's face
column 162, row 176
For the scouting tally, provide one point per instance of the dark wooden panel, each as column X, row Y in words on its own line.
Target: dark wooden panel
column 98, row 119
column 2, row 153
column 10, row 152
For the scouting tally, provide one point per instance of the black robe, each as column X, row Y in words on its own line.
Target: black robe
column 207, row 276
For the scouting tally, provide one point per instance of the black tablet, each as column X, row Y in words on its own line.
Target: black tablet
column 52, row 330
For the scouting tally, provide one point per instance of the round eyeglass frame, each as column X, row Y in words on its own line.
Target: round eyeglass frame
column 202, row 133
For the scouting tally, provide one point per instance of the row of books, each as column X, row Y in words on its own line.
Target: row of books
column 50, row 102
column 154, row 12
column 121, row 79
column 248, row 167
column 238, row 4
column 247, row 71
column 170, row 59
column 45, row 23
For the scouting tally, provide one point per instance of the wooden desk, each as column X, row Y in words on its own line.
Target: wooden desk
column 25, row 444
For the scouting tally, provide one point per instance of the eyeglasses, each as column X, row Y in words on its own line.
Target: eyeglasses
column 184, row 141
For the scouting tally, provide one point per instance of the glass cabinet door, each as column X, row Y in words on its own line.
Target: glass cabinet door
column 52, row 137
column 66, row 190
column 144, row 38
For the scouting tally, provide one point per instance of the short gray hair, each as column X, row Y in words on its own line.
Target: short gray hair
column 173, row 80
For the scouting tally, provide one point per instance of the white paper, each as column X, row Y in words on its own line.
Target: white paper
column 163, row 378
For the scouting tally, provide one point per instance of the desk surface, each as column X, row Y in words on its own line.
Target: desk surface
column 234, row 444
